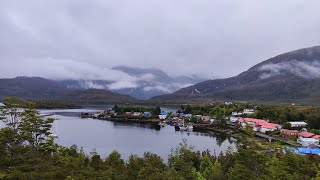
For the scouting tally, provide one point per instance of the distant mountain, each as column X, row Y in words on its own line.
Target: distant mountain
column 149, row 82
column 36, row 88
column 32, row 88
column 290, row 77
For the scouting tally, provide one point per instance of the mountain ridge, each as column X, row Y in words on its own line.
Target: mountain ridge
column 288, row 77
column 37, row 88
column 148, row 82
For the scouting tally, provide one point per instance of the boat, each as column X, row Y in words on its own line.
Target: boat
column 190, row 127
column 182, row 127
column 162, row 123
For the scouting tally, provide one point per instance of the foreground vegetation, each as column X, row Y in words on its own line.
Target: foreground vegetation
column 28, row 152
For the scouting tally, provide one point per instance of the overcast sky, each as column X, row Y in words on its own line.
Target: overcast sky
column 85, row 38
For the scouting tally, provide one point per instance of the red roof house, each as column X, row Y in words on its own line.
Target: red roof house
column 305, row 134
column 316, row 137
column 260, row 125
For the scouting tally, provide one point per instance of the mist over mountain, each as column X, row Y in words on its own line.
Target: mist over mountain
column 289, row 77
column 143, row 83
column 292, row 77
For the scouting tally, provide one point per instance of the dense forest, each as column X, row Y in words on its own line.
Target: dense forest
column 51, row 104
column 28, row 152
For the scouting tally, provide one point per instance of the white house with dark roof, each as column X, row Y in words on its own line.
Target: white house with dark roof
column 298, row 124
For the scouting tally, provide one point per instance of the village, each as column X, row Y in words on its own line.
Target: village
column 295, row 134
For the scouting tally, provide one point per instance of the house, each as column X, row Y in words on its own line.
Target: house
column 205, row 118
column 286, row 133
column 136, row 114
column 163, row 116
column 234, row 119
column 259, row 125
column 298, row 124
column 316, row 137
column 236, row 114
column 248, row 111
column 307, row 142
column 146, row 114
column 181, row 115
column 2, row 105
column 267, row 127
column 305, row 134
column 128, row 113
column 228, row 103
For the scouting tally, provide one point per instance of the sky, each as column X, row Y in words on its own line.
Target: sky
column 72, row 39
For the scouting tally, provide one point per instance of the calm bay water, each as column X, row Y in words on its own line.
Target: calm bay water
column 106, row 136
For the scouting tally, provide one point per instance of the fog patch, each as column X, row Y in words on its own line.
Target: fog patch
column 307, row 70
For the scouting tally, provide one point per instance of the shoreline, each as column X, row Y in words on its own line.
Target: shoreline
column 142, row 121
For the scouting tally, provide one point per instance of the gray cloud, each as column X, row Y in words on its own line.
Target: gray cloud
column 85, row 39
column 308, row 70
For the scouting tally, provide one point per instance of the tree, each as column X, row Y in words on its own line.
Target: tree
column 25, row 120
column 12, row 112
column 249, row 130
column 217, row 170
column 115, row 166
column 188, row 109
column 318, row 174
column 116, row 108
column 96, row 162
column 33, row 128
column 184, row 161
column 206, row 168
column 276, row 169
column 286, row 125
column 156, row 111
column 223, row 123
column 134, row 165
column 240, row 172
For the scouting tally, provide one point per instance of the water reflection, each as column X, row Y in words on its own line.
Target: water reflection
column 130, row 138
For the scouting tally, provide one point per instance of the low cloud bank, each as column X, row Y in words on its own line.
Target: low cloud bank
column 308, row 70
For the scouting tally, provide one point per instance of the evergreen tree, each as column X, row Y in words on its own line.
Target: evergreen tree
column 217, row 170
column 206, row 168
column 156, row 111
